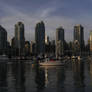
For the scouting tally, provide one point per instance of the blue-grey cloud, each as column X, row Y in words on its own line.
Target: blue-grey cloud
column 54, row 13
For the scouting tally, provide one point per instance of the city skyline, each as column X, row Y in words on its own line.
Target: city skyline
column 54, row 13
column 85, row 42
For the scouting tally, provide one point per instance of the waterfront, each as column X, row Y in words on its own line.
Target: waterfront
column 23, row 77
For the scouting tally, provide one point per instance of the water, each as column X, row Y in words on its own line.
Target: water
column 23, row 77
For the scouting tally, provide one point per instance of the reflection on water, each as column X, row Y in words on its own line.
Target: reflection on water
column 39, row 78
column 3, row 78
column 18, row 71
column 50, row 78
column 90, row 71
column 16, row 77
column 78, row 75
column 22, row 77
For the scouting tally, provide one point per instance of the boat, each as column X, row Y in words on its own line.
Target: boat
column 80, row 58
column 74, row 57
column 51, row 63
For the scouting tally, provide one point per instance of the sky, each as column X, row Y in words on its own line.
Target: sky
column 54, row 13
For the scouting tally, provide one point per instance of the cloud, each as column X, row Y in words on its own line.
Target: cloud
column 47, row 12
column 54, row 13
column 51, row 24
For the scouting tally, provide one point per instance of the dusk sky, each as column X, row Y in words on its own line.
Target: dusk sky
column 54, row 13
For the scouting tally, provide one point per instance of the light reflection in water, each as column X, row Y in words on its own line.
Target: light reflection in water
column 22, row 77
column 78, row 75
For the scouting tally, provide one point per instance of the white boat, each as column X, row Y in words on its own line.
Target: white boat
column 79, row 58
column 3, row 58
column 52, row 63
column 74, row 57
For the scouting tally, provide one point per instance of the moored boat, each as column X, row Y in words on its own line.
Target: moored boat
column 52, row 63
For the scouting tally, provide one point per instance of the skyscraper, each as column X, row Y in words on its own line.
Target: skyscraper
column 79, row 35
column 91, row 41
column 59, row 34
column 40, row 37
column 19, row 36
column 3, row 38
column 59, row 42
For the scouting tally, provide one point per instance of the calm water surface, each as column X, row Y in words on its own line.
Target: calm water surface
column 23, row 77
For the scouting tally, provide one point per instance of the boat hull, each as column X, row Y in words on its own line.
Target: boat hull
column 51, row 64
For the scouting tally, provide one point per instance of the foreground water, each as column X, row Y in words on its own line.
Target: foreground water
column 23, row 77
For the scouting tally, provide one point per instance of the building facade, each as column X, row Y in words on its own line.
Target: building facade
column 59, row 34
column 3, row 39
column 91, row 41
column 59, row 42
column 19, row 36
column 79, row 35
column 27, row 48
column 33, row 48
column 40, row 37
column 47, row 40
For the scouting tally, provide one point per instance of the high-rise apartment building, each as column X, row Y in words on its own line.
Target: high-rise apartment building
column 59, row 42
column 3, row 38
column 79, row 35
column 19, row 36
column 40, row 37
